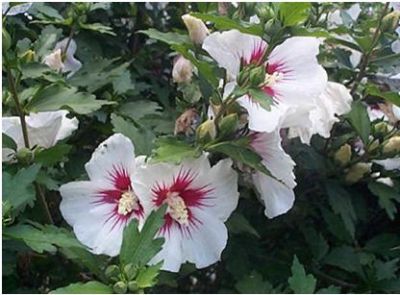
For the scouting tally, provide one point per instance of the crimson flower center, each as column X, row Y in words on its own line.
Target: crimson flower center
column 177, row 208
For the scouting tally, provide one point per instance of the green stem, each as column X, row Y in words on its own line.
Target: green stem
column 71, row 34
column 20, row 112
column 366, row 56
column 42, row 199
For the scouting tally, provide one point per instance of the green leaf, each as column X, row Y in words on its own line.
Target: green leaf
column 42, row 238
column 237, row 223
column 44, row 11
column 172, row 150
column 386, row 270
column 392, row 97
column 318, row 245
column 18, row 189
column 388, row 197
column 136, row 110
column 253, row 284
column 53, row 155
column 55, row 97
column 141, row 137
column 340, row 201
column 97, row 27
column 330, row 290
column 383, row 244
column 170, row 38
column 359, row 119
column 92, row 287
column 123, row 83
column 8, row 142
column 139, row 248
column 33, row 70
column 263, row 99
column 46, row 41
column 310, row 32
column 300, row 282
column 225, row 23
column 239, row 151
column 147, row 276
column 293, row 13
column 345, row 258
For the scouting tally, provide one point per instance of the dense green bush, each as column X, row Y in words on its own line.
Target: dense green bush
column 189, row 92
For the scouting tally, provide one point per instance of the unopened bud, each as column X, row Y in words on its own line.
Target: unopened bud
column 120, row 287
column 391, row 21
column 196, row 28
column 373, row 146
column 132, row 286
column 130, row 271
column 112, row 271
column 182, row 71
column 392, row 145
column 28, row 56
column 381, row 127
column 206, row 131
column 343, row 154
column 357, row 172
column 228, row 124
column 54, row 60
column 265, row 11
column 25, row 155
column 257, row 76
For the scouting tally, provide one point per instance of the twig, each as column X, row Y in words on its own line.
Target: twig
column 42, row 199
column 71, row 34
column 333, row 279
column 21, row 114
column 366, row 56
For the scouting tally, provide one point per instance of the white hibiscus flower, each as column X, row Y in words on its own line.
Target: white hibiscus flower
column 200, row 199
column 15, row 9
column 277, row 196
column 100, row 208
column 66, row 64
column 396, row 44
column 335, row 100
column 293, row 76
column 45, row 129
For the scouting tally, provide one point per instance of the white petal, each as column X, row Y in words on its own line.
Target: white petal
column 303, row 78
column 11, row 126
column 228, row 48
column 354, row 11
column 396, row 111
column 280, row 164
column 67, row 126
column 396, row 46
column 16, row 9
column 171, row 252
column 389, row 164
column 205, row 244
column 90, row 220
column 225, row 196
column 71, row 64
column 277, row 198
column 114, row 153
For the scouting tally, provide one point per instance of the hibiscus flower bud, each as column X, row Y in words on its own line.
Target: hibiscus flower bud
column 28, row 56
column 391, row 21
column 343, row 154
column 120, row 287
column 206, row 131
column 130, row 271
column 228, row 124
column 392, row 145
column 373, row 146
column 24, row 155
column 197, row 29
column 381, row 127
column 187, row 122
column 182, row 71
column 133, row 286
column 112, row 271
column 54, row 60
column 357, row 172
column 257, row 76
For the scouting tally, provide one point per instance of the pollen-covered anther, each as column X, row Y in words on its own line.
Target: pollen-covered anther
column 271, row 79
column 127, row 203
column 177, row 208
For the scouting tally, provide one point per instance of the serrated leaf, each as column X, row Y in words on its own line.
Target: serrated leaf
column 330, row 290
column 300, row 282
column 33, row 70
column 170, row 38
column 173, row 150
column 142, row 138
column 148, row 275
column 123, row 83
column 345, row 258
column 97, row 27
column 18, row 189
column 139, row 248
column 293, row 13
column 139, row 109
column 386, row 270
column 42, row 239
column 56, row 97
column 318, row 245
column 388, row 197
column 263, row 99
column 53, row 155
column 237, row 223
column 359, row 119
column 392, row 97
column 46, row 41
column 92, row 287
column 253, row 284
column 340, row 201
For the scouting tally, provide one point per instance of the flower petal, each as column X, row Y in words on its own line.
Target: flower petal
column 116, row 152
column 230, row 47
column 277, row 198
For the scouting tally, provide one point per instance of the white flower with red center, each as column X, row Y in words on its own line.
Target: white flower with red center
column 199, row 200
column 100, row 208
column 335, row 100
column 293, row 76
column 44, row 129
column 275, row 192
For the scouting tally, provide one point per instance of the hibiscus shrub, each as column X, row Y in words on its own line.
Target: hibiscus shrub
column 201, row 147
